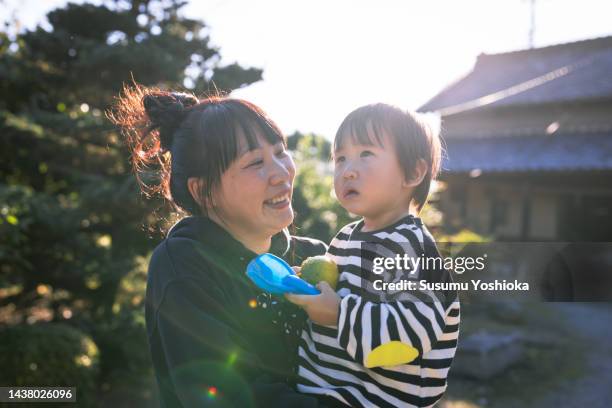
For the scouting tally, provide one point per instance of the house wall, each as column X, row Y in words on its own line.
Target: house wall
column 570, row 207
column 511, row 225
column 480, row 200
column 477, row 209
column 543, row 217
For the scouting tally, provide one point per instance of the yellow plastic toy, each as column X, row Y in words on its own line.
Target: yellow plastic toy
column 391, row 354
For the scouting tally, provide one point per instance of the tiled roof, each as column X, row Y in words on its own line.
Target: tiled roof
column 529, row 153
column 560, row 73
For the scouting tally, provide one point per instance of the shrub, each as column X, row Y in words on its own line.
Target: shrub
column 49, row 354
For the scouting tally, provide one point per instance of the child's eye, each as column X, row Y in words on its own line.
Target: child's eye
column 281, row 153
column 366, row 153
column 339, row 159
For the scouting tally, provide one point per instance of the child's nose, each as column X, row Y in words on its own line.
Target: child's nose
column 349, row 173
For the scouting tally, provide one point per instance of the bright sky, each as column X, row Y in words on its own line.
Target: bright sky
column 323, row 58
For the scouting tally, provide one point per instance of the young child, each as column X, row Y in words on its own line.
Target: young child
column 364, row 346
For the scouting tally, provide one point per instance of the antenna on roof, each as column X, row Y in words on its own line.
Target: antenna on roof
column 532, row 22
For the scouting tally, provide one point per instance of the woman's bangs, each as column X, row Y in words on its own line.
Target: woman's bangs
column 252, row 123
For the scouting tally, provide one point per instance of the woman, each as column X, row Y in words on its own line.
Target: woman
column 214, row 337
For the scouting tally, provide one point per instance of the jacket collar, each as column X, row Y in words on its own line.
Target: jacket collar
column 217, row 238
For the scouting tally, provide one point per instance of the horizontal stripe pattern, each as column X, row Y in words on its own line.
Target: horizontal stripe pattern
column 332, row 360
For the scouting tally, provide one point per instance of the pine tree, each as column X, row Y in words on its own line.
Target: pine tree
column 72, row 244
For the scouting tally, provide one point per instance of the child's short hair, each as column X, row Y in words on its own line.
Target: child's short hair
column 413, row 139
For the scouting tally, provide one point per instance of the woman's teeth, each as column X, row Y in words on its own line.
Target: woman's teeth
column 279, row 199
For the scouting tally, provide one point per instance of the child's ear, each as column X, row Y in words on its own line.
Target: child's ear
column 418, row 174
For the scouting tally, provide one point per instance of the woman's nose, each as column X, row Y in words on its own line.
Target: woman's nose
column 281, row 172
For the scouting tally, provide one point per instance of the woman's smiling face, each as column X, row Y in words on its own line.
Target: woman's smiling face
column 254, row 196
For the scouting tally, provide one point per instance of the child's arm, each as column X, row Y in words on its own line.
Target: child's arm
column 363, row 326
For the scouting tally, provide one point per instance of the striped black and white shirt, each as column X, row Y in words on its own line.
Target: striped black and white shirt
column 332, row 359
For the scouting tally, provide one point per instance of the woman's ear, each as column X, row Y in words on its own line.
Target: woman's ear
column 418, row 174
column 195, row 185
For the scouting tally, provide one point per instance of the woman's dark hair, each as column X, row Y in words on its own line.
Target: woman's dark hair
column 174, row 136
column 412, row 137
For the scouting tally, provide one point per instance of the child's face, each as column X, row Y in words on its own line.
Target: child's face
column 369, row 181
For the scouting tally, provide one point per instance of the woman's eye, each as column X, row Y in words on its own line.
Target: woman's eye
column 339, row 159
column 281, row 153
column 255, row 163
column 366, row 153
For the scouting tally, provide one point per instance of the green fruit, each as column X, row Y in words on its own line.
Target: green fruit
column 320, row 268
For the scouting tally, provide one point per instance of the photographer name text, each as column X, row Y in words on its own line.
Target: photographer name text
column 474, row 284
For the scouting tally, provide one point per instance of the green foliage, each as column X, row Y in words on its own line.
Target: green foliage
column 49, row 355
column 92, row 50
column 310, row 147
column 318, row 212
column 463, row 236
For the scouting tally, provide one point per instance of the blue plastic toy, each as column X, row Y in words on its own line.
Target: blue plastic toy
column 274, row 275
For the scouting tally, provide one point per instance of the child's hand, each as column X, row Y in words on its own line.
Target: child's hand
column 322, row 309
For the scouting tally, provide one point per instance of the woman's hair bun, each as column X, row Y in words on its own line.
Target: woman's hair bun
column 166, row 111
